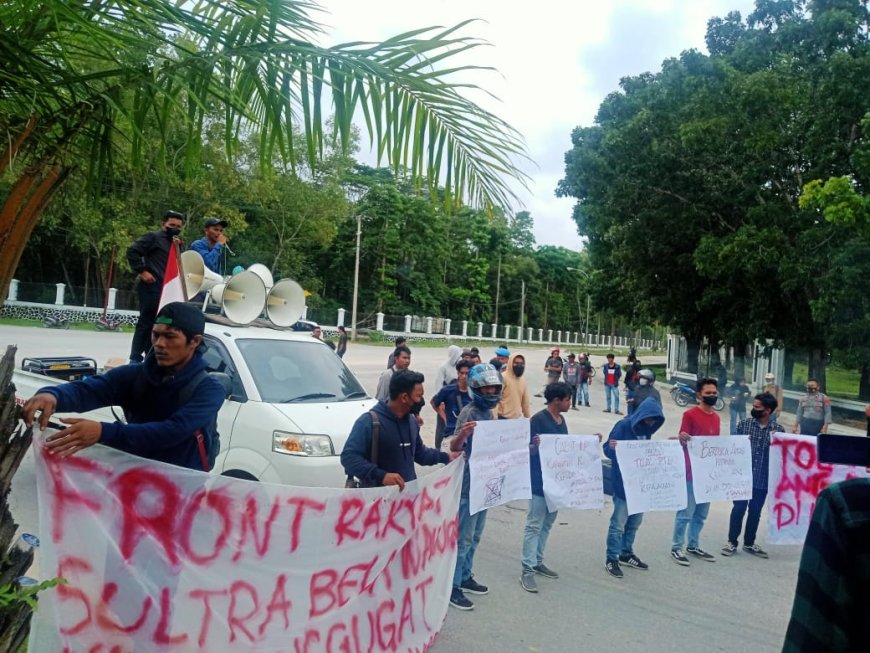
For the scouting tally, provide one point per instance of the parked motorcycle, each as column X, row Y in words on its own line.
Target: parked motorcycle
column 683, row 394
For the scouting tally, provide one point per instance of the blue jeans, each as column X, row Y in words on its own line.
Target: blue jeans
column 470, row 530
column 736, row 416
column 693, row 516
column 612, row 390
column 539, row 521
column 583, row 393
column 623, row 528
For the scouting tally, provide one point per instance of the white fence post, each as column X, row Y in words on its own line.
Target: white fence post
column 112, row 294
column 379, row 325
column 58, row 298
column 464, row 328
column 480, row 329
column 407, row 324
column 447, row 323
column 340, row 321
column 13, row 291
column 428, row 325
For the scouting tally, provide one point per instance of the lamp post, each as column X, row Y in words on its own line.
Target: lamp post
column 586, row 325
column 355, row 281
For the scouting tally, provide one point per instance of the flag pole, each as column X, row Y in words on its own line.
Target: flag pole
column 175, row 248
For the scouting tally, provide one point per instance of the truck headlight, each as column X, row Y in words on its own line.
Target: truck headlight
column 301, row 444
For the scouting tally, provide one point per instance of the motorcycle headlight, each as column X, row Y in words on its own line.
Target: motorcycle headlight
column 301, row 444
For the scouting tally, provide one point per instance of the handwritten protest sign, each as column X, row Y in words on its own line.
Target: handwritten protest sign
column 499, row 464
column 653, row 474
column 796, row 479
column 160, row 558
column 571, row 469
column 721, row 468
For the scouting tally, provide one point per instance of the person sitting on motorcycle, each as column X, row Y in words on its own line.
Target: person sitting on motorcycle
column 645, row 388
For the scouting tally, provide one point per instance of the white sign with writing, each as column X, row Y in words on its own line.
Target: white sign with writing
column 721, row 468
column 571, row 469
column 499, row 463
column 653, row 474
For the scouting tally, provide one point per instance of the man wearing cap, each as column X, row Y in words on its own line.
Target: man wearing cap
column 170, row 401
column 211, row 246
column 147, row 257
column 502, row 354
column 571, row 376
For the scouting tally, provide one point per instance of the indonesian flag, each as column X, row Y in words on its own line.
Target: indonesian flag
column 173, row 290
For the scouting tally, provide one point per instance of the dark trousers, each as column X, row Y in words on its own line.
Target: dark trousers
column 811, row 426
column 149, row 298
column 573, row 396
column 755, row 504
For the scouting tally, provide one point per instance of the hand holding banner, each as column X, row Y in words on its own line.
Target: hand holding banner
column 499, row 464
column 571, row 469
column 653, row 474
column 721, row 468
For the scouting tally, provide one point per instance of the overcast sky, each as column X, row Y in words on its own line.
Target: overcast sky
column 557, row 61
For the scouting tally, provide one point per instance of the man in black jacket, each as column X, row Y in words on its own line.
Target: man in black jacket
column 399, row 441
column 147, row 257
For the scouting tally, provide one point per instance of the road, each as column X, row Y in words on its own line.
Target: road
column 735, row 604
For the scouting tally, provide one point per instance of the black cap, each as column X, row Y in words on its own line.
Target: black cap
column 173, row 214
column 211, row 222
column 187, row 318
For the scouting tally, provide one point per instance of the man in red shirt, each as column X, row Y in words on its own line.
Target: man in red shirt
column 698, row 420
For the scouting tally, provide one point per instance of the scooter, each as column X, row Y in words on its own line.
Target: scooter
column 683, row 394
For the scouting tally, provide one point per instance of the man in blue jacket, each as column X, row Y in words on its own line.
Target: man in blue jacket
column 211, row 246
column 170, row 402
column 640, row 425
column 399, row 441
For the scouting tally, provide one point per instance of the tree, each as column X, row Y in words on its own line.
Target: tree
column 76, row 77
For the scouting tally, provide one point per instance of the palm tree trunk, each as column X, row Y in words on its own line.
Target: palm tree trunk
column 15, row 146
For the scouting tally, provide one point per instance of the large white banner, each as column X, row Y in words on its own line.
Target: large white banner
column 796, row 478
column 160, row 558
column 571, row 469
column 653, row 474
column 721, row 468
column 499, row 463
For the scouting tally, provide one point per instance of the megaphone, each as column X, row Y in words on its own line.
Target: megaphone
column 263, row 272
column 241, row 298
column 285, row 303
column 197, row 277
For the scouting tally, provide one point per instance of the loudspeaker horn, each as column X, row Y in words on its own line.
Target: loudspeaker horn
column 263, row 272
column 241, row 298
column 285, row 303
column 197, row 277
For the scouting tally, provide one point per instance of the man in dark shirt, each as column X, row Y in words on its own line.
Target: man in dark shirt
column 147, row 257
column 450, row 400
column 737, row 393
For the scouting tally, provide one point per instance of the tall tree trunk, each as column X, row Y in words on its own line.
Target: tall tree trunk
column 14, row 147
column 816, row 367
column 693, row 354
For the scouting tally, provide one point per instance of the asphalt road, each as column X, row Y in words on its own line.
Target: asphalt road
column 735, row 604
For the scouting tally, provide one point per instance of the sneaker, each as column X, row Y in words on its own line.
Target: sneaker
column 574, row 408
column 679, row 558
column 606, row 410
column 612, row 567
column 755, row 550
column 459, row 601
column 698, row 552
column 729, row 549
column 544, row 570
column 527, row 580
column 617, row 412
column 473, row 587
column 633, row 561
column 587, row 404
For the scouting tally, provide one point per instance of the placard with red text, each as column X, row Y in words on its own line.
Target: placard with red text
column 161, row 558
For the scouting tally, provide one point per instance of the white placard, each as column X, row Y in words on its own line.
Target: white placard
column 499, row 463
column 721, row 468
column 653, row 474
column 571, row 469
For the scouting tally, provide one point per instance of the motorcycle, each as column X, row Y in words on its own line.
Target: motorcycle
column 683, row 394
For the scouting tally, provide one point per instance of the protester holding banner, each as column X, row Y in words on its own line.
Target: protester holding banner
column 485, row 386
column 399, row 444
column 698, row 420
column 147, row 257
column 539, row 520
column 640, row 425
column 170, row 401
column 758, row 427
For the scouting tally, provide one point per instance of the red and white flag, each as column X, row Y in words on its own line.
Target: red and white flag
column 173, row 290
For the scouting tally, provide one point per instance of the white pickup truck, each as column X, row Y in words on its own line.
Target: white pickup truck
column 291, row 407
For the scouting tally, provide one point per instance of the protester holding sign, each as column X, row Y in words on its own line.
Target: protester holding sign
column 640, row 425
column 170, row 401
column 485, row 386
column 539, row 520
column 698, row 420
column 399, row 444
column 758, row 427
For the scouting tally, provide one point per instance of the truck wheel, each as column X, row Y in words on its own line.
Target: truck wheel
column 237, row 473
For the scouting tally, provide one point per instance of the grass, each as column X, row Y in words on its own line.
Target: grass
column 74, row 326
column 839, row 382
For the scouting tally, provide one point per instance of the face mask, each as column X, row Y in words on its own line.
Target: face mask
column 757, row 413
column 644, row 381
column 710, row 400
column 172, row 231
column 812, row 390
column 518, row 369
column 417, row 407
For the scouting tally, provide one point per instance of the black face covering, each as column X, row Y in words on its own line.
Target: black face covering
column 416, row 408
column 518, row 369
column 757, row 413
column 710, row 400
column 172, row 231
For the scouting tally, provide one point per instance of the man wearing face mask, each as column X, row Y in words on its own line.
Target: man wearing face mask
column 515, row 395
column 147, row 257
column 758, row 427
column 813, row 415
column 646, row 379
column 399, row 441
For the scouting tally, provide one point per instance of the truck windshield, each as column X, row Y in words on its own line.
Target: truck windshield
column 288, row 371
